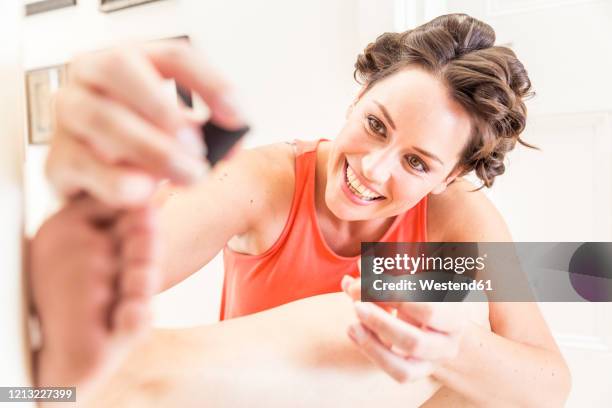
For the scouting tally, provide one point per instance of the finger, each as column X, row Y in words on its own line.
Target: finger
column 351, row 287
column 119, row 135
column 442, row 317
column 346, row 281
column 193, row 117
column 127, row 76
column 131, row 316
column 354, row 289
column 178, row 60
column 401, row 334
column 72, row 168
column 399, row 368
column 412, row 340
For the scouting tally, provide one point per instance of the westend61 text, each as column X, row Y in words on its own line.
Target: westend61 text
column 430, row 284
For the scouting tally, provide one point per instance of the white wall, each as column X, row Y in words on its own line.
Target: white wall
column 291, row 62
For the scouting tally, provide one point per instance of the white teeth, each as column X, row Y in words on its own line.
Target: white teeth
column 358, row 188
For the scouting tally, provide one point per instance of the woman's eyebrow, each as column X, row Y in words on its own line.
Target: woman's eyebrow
column 385, row 114
column 418, row 149
column 428, row 154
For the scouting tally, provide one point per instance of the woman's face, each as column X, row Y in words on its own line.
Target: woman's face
column 401, row 140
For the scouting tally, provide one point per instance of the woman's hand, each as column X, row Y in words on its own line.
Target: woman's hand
column 117, row 132
column 406, row 339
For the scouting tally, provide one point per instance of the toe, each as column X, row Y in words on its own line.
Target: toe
column 131, row 317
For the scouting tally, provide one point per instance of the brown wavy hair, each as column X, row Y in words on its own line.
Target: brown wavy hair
column 487, row 80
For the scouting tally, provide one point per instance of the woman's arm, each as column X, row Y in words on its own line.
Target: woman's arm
column 295, row 355
column 118, row 134
column 237, row 197
column 517, row 362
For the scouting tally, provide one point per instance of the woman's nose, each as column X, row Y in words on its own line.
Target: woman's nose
column 377, row 165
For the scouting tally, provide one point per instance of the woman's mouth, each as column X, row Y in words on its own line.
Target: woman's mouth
column 359, row 193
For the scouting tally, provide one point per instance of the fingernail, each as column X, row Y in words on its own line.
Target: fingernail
column 191, row 141
column 136, row 188
column 346, row 282
column 357, row 333
column 229, row 106
column 362, row 310
column 187, row 170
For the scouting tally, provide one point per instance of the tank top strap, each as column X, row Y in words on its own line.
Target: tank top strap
column 305, row 162
column 305, row 159
column 305, row 146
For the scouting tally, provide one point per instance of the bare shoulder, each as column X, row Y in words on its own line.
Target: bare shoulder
column 266, row 159
column 267, row 184
column 276, row 156
column 250, row 187
column 462, row 214
column 265, row 173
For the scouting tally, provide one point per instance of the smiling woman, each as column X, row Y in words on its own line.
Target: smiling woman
column 403, row 139
column 438, row 102
column 420, row 121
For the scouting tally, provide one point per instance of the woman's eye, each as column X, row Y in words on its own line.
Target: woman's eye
column 417, row 164
column 377, row 126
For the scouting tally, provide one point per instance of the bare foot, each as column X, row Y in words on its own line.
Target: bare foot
column 93, row 272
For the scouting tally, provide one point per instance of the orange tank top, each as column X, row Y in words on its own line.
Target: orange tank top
column 300, row 263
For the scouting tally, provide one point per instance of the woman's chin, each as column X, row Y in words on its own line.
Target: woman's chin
column 347, row 211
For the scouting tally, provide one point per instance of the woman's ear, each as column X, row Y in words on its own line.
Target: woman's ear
column 440, row 188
